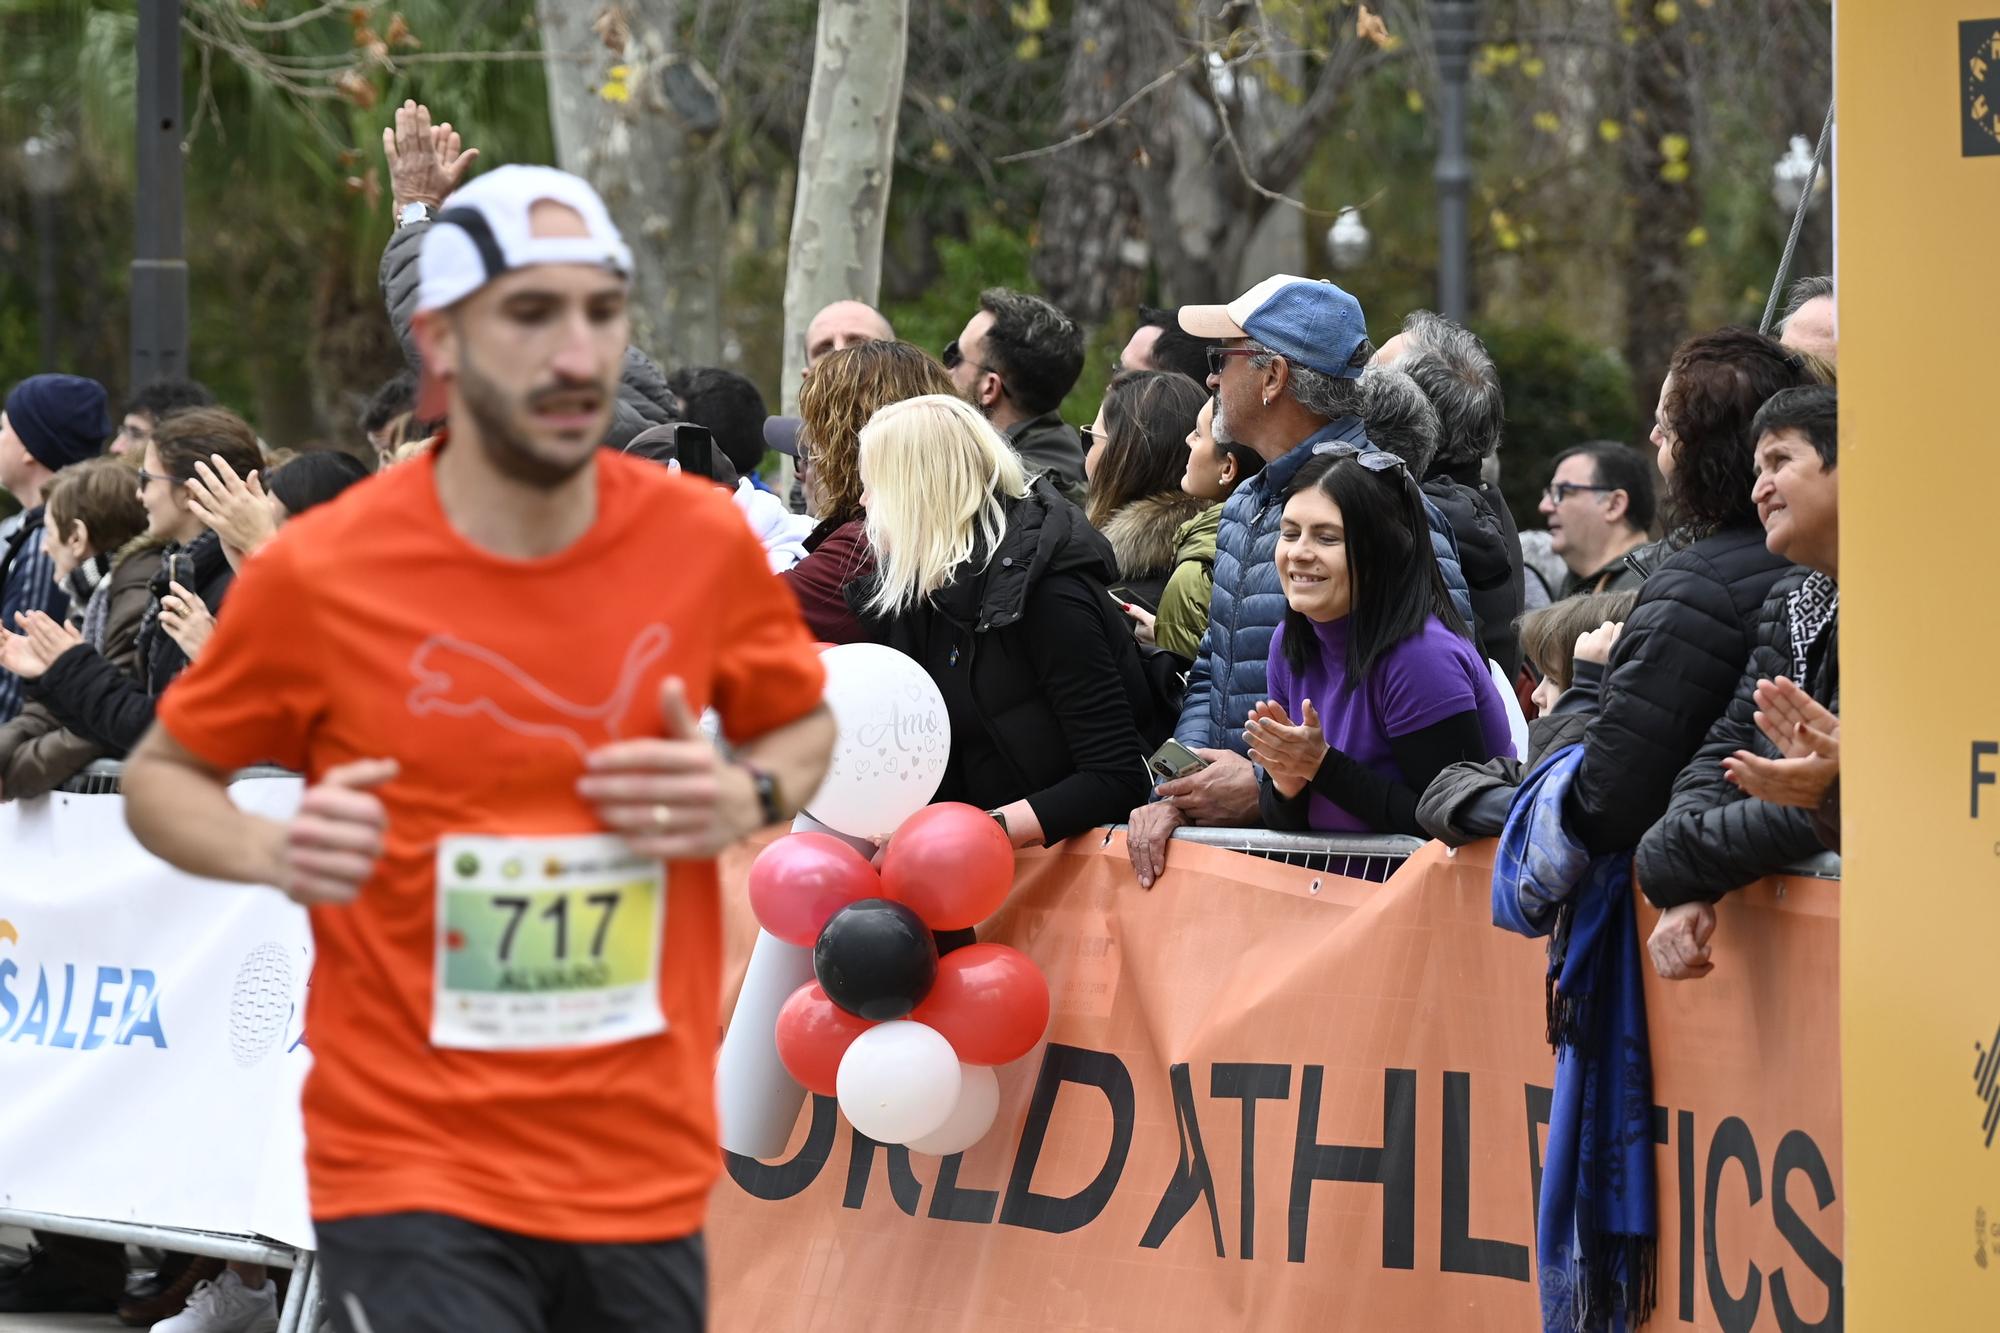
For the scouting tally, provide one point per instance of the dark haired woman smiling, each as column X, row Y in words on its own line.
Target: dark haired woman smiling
column 1372, row 660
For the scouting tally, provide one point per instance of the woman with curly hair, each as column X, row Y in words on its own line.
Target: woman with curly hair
column 844, row 390
column 1675, row 666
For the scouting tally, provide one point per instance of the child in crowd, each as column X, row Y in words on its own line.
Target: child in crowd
column 94, row 532
column 1567, row 645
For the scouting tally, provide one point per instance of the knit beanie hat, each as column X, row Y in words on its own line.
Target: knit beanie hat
column 62, row 419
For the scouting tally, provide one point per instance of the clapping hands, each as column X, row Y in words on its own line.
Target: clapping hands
column 1290, row 752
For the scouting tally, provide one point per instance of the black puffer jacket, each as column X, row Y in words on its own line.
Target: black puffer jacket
column 1714, row 838
column 1489, row 550
column 1039, row 682
column 644, row 400
column 1671, row 674
column 93, row 698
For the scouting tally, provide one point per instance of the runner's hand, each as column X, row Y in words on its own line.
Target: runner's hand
column 675, row 798
column 1679, row 945
column 332, row 844
column 425, row 161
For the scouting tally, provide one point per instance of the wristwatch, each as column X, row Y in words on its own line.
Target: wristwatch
column 999, row 817
column 767, row 794
column 418, row 212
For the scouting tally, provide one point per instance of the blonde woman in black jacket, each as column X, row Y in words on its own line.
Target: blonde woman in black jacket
column 997, row 587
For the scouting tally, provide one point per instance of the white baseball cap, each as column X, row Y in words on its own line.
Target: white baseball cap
column 482, row 231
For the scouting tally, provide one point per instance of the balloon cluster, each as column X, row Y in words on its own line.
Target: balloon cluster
column 906, row 1039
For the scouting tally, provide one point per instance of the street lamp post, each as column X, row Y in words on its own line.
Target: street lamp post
column 46, row 168
column 1453, row 27
column 159, row 268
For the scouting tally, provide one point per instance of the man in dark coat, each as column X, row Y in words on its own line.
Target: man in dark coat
column 1015, row 361
column 1715, row 837
column 1599, row 508
column 1455, row 372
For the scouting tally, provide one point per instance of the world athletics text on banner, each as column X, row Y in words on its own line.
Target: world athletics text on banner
column 151, row 1043
column 1271, row 1099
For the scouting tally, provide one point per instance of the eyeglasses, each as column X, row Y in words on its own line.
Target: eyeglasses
column 146, row 478
column 1559, row 491
column 1087, row 435
column 1375, row 460
column 1218, row 355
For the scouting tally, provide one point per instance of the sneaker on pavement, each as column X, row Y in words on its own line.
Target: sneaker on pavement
column 225, row 1305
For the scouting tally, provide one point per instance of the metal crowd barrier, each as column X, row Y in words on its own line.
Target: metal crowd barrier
column 303, row 1309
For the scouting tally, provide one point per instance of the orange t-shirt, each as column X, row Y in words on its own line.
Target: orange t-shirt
column 371, row 628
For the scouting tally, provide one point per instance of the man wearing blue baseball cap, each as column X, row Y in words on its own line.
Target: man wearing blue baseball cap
column 1286, row 377
column 50, row 421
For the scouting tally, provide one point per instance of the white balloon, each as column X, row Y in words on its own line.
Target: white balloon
column 898, row 1081
column 895, row 738
column 978, row 1104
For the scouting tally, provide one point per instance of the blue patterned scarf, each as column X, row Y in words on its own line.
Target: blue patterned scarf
column 1596, row 1241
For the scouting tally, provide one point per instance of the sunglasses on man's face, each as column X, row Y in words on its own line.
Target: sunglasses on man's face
column 1218, row 356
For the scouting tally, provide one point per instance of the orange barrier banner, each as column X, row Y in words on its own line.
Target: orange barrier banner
column 1275, row 1099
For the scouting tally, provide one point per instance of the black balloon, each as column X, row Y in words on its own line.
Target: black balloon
column 876, row 959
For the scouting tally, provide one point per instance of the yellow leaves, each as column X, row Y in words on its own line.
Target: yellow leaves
column 1610, row 130
column 1667, row 12
column 1675, row 173
column 615, row 88
column 1548, row 122
column 1673, row 147
column 356, row 88
column 1413, row 100
column 1504, row 233
column 945, row 102
column 940, row 151
column 1032, row 17
column 1629, row 36
column 1368, row 26
column 1697, row 238
column 1533, row 67
column 1090, row 45
column 1029, row 47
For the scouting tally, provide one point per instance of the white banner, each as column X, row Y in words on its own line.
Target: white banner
column 151, row 1028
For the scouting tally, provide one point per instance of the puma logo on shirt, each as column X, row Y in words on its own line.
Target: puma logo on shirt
column 461, row 679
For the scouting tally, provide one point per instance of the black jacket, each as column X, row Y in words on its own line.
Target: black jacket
column 1051, row 448
column 1714, row 838
column 1039, row 681
column 1671, row 674
column 95, row 699
column 1489, row 550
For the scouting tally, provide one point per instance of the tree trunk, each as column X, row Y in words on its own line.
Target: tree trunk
column 1658, row 276
column 641, row 122
column 847, row 157
column 1090, row 250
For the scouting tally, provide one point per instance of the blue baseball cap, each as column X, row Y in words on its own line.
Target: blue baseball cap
column 1310, row 323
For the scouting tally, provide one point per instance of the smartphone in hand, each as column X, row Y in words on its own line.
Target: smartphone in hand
column 1174, row 760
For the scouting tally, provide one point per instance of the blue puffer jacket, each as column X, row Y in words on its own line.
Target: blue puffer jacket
column 1248, row 603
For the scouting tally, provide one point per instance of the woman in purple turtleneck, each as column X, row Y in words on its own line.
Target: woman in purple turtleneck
column 1386, row 685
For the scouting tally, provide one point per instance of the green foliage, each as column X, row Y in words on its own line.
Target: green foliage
column 1561, row 391
column 992, row 254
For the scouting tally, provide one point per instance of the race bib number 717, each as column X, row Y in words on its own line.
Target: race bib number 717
column 545, row 943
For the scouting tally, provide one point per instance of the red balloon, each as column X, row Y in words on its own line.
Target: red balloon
column 802, row 879
column 813, row 1033
column 990, row 1002
column 951, row 863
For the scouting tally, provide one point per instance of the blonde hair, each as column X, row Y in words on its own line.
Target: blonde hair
column 937, row 476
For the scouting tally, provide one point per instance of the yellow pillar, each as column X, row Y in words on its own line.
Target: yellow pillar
column 1917, row 184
